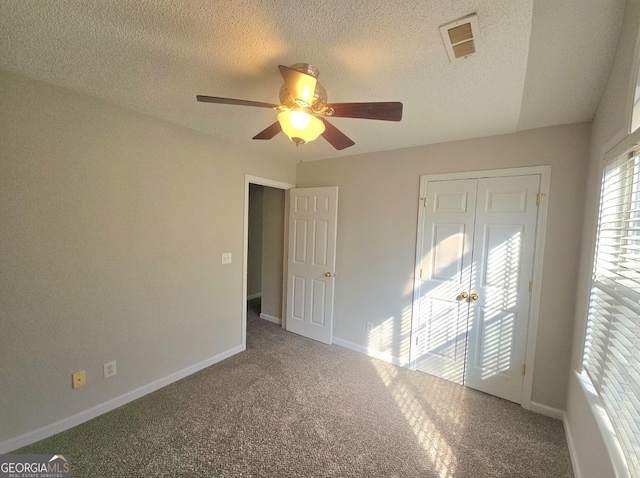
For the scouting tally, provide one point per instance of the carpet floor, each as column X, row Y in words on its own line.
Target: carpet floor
column 292, row 407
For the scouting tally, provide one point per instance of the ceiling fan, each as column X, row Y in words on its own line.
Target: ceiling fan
column 304, row 109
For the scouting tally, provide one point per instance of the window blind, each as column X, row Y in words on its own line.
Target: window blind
column 612, row 345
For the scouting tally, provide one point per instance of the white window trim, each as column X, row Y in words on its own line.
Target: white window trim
column 616, row 455
column 617, row 146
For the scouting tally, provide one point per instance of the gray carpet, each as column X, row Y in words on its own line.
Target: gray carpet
column 292, row 407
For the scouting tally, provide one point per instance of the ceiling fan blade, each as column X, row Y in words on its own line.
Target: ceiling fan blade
column 270, row 132
column 231, row 101
column 335, row 137
column 387, row 111
column 300, row 85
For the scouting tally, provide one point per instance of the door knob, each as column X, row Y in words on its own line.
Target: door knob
column 328, row 274
column 474, row 296
column 464, row 295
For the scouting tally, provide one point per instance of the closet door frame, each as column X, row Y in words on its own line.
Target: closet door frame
column 532, row 330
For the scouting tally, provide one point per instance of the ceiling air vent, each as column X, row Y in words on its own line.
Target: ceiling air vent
column 461, row 37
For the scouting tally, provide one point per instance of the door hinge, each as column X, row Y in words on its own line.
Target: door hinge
column 417, row 338
column 420, row 273
column 424, row 201
column 524, row 368
column 531, row 286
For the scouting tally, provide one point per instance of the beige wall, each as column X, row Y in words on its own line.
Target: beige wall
column 254, row 247
column 610, row 121
column 272, row 252
column 377, row 221
column 112, row 226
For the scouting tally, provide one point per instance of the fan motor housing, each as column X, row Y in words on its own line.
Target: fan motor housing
column 319, row 95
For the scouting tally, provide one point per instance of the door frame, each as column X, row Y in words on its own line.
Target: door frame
column 249, row 179
column 541, row 227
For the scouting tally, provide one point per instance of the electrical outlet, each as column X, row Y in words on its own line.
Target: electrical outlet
column 110, row 369
column 79, row 379
column 227, row 258
column 369, row 326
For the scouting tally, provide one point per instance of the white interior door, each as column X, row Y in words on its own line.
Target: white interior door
column 475, row 255
column 503, row 250
column 445, row 276
column 313, row 214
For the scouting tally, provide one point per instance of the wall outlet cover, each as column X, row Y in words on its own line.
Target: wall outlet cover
column 110, row 369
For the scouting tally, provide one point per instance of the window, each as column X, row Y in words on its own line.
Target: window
column 612, row 346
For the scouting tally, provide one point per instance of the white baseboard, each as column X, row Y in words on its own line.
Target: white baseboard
column 572, row 448
column 254, row 296
column 81, row 417
column 271, row 318
column 547, row 411
column 370, row 352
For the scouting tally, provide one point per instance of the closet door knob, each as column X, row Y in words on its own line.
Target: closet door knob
column 464, row 295
column 474, row 296
column 328, row 274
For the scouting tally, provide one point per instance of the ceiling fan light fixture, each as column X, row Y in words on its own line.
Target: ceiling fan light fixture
column 300, row 126
column 303, row 109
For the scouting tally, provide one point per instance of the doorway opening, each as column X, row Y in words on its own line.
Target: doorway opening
column 265, row 252
column 264, row 256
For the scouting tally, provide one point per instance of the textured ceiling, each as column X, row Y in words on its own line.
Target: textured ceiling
column 540, row 62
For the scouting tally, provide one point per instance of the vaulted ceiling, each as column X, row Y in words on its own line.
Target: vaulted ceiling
column 539, row 62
